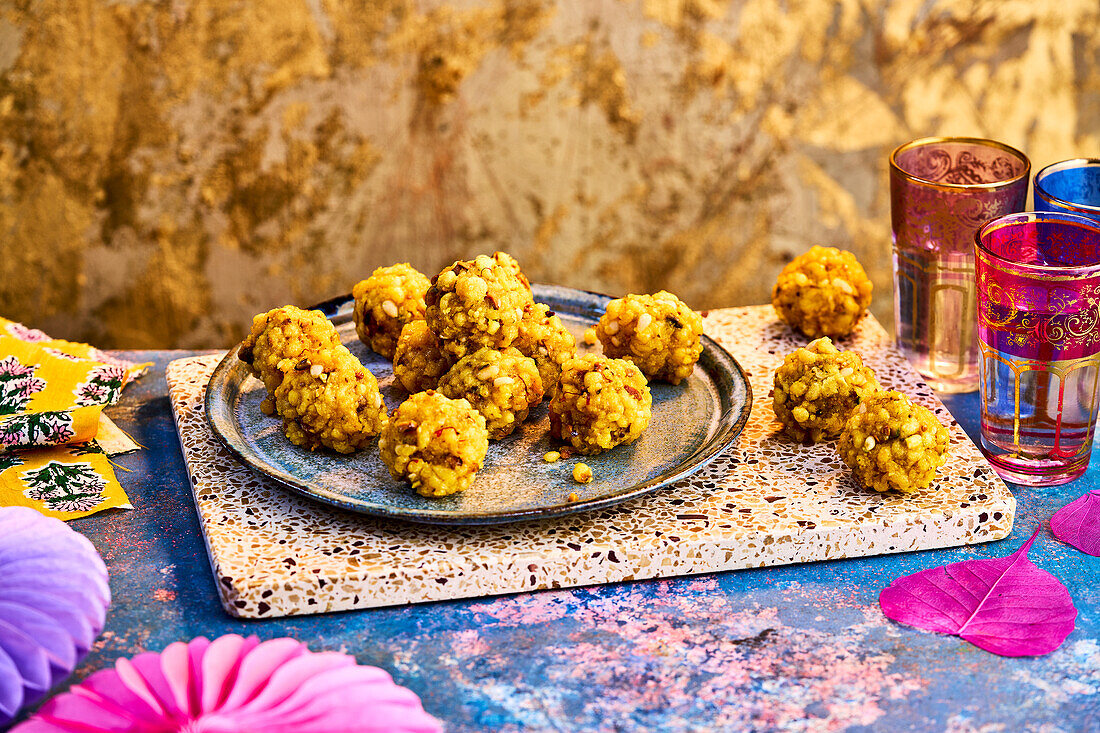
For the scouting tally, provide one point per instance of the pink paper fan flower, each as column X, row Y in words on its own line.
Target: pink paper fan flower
column 53, row 600
column 235, row 685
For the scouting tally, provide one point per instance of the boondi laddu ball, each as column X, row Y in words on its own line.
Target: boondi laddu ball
column 278, row 340
column 330, row 400
column 601, row 403
column 475, row 303
column 816, row 389
column 659, row 333
column 891, row 443
column 823, row 292
column 419, row 360
column 435, row 443
column 502, row 385
column 509, row 263
column 384, row 302
column 544, row 338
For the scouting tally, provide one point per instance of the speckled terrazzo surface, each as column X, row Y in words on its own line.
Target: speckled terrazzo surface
column 765, row 501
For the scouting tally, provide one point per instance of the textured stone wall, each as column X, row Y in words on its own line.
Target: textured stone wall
column 169, row 168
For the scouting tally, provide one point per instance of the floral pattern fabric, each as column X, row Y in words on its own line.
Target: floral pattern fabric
column 52, row 394
column 65, row 487
column 17, row 385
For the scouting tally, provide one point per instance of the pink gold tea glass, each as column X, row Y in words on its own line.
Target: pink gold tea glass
column 1038, row 278
column 941, row 190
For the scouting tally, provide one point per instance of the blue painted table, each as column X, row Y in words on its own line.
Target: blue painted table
column 790, row 648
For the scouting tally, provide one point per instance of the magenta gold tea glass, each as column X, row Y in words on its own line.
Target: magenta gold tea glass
column 941, row 190
column 1038, row 277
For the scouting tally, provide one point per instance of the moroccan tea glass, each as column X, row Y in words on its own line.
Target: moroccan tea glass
column 1072, row 186
column 1038, row 277
column 941, row 190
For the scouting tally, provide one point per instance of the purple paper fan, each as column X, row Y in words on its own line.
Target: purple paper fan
column 235, row 685
column 53, row 600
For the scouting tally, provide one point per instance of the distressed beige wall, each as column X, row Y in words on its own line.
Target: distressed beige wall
column 169, row 168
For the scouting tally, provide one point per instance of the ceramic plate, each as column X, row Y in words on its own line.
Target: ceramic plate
column 692, row 423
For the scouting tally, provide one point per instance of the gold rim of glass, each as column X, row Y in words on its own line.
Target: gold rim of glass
column 1050, row 272
column 1066, row 165
column 991, row 186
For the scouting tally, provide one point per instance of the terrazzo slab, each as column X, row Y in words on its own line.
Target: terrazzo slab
column 763, row 501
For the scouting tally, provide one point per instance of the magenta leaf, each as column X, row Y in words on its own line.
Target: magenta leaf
column 1005, row 605
column 1078, row 523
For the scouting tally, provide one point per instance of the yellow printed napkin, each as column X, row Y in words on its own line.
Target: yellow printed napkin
column 52, row 394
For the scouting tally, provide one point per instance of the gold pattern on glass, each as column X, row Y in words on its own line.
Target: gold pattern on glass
column 1026, row 397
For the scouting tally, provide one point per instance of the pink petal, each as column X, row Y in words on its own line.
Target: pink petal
column 115, row 696
column 291, row 676
column 196, row 650
column 175, row 668
column 39, row 725
column 167, row 677
column 220, row 665
column 354, row 698
column 131, row 676
column 83, row 712
column 257, row 667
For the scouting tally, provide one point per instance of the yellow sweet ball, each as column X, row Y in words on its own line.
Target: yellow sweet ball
column 419, row 361
column 891, row 443
column 435, row 443
column 544, row 338
column 659, row 333
column 384, row 302
column 816, row 389
column 601, row 403
column 278, row 340
column 327, row 399
column 508, row 262
column 823, row 292
column 502, row 385
column 475, row 303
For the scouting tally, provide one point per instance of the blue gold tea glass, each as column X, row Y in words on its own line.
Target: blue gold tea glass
column 1072, row 187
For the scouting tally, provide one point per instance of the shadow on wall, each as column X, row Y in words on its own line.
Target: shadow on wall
column 169, row 169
